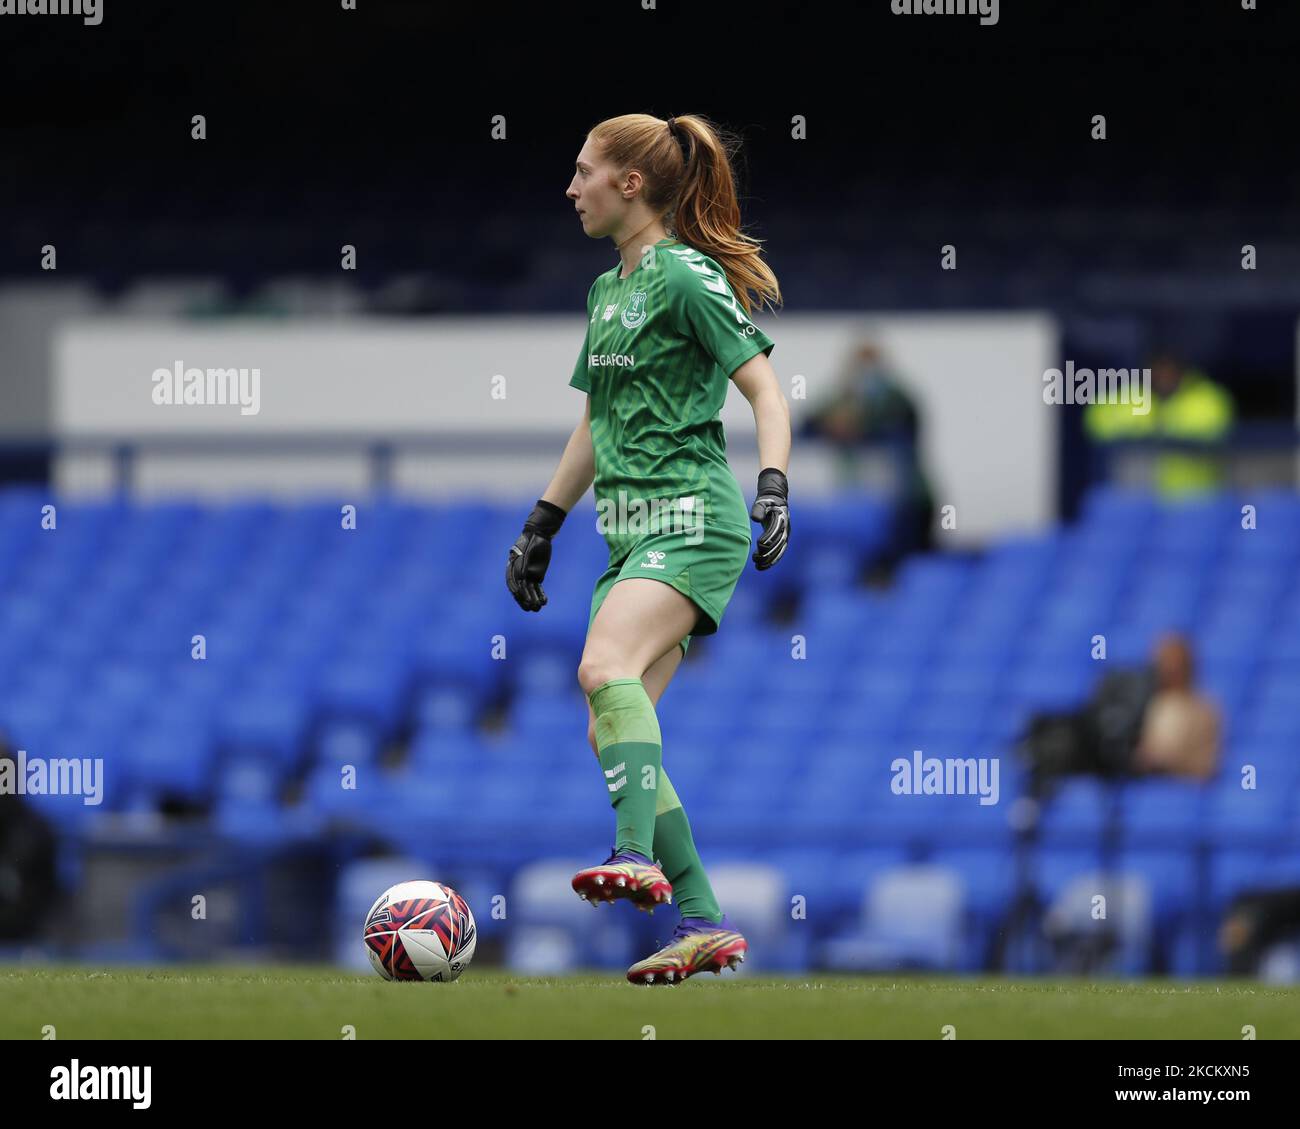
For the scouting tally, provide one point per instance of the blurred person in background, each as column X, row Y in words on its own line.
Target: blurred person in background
column 1186, row 405
column 27, row 859
column 869, row 409
column 1257, row 920
column 1145, row 721
column 1180, row 728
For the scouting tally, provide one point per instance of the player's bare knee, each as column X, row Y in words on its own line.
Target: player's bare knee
column 594, row 672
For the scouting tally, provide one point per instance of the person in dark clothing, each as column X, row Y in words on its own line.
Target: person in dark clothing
column 1257, row 920
column 27, row 863
column 870, row 409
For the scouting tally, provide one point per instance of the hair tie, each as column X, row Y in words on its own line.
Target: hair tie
column 683, row 142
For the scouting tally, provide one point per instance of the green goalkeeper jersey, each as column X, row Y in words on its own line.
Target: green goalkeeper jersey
column 660, row 349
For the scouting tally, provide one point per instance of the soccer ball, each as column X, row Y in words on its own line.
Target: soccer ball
column 420, row 931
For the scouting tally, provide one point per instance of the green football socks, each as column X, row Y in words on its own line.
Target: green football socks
column 651, row 819
column 675, row 849
column 631, row 754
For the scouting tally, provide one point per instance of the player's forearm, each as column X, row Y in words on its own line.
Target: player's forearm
column 772, row 421
column 577, row 469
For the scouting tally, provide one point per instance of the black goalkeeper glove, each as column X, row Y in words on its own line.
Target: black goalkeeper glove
column 530, row 555
column 772, row 510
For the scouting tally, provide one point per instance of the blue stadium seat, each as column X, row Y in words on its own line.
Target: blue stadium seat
column 912, row 919
column 1239, row 817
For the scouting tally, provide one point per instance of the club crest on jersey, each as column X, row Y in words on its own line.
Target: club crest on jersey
column 634, row 311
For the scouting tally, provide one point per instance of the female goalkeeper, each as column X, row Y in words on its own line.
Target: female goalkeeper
column 667, row 327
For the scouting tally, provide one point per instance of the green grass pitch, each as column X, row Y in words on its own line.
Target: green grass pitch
column 280, row 1002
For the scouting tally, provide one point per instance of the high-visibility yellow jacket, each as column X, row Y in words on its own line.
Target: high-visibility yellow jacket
column 1198, row 409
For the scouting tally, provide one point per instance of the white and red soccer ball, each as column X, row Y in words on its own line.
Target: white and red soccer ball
column 420, row 931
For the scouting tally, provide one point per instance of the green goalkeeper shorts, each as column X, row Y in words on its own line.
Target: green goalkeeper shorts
column 703, row 564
